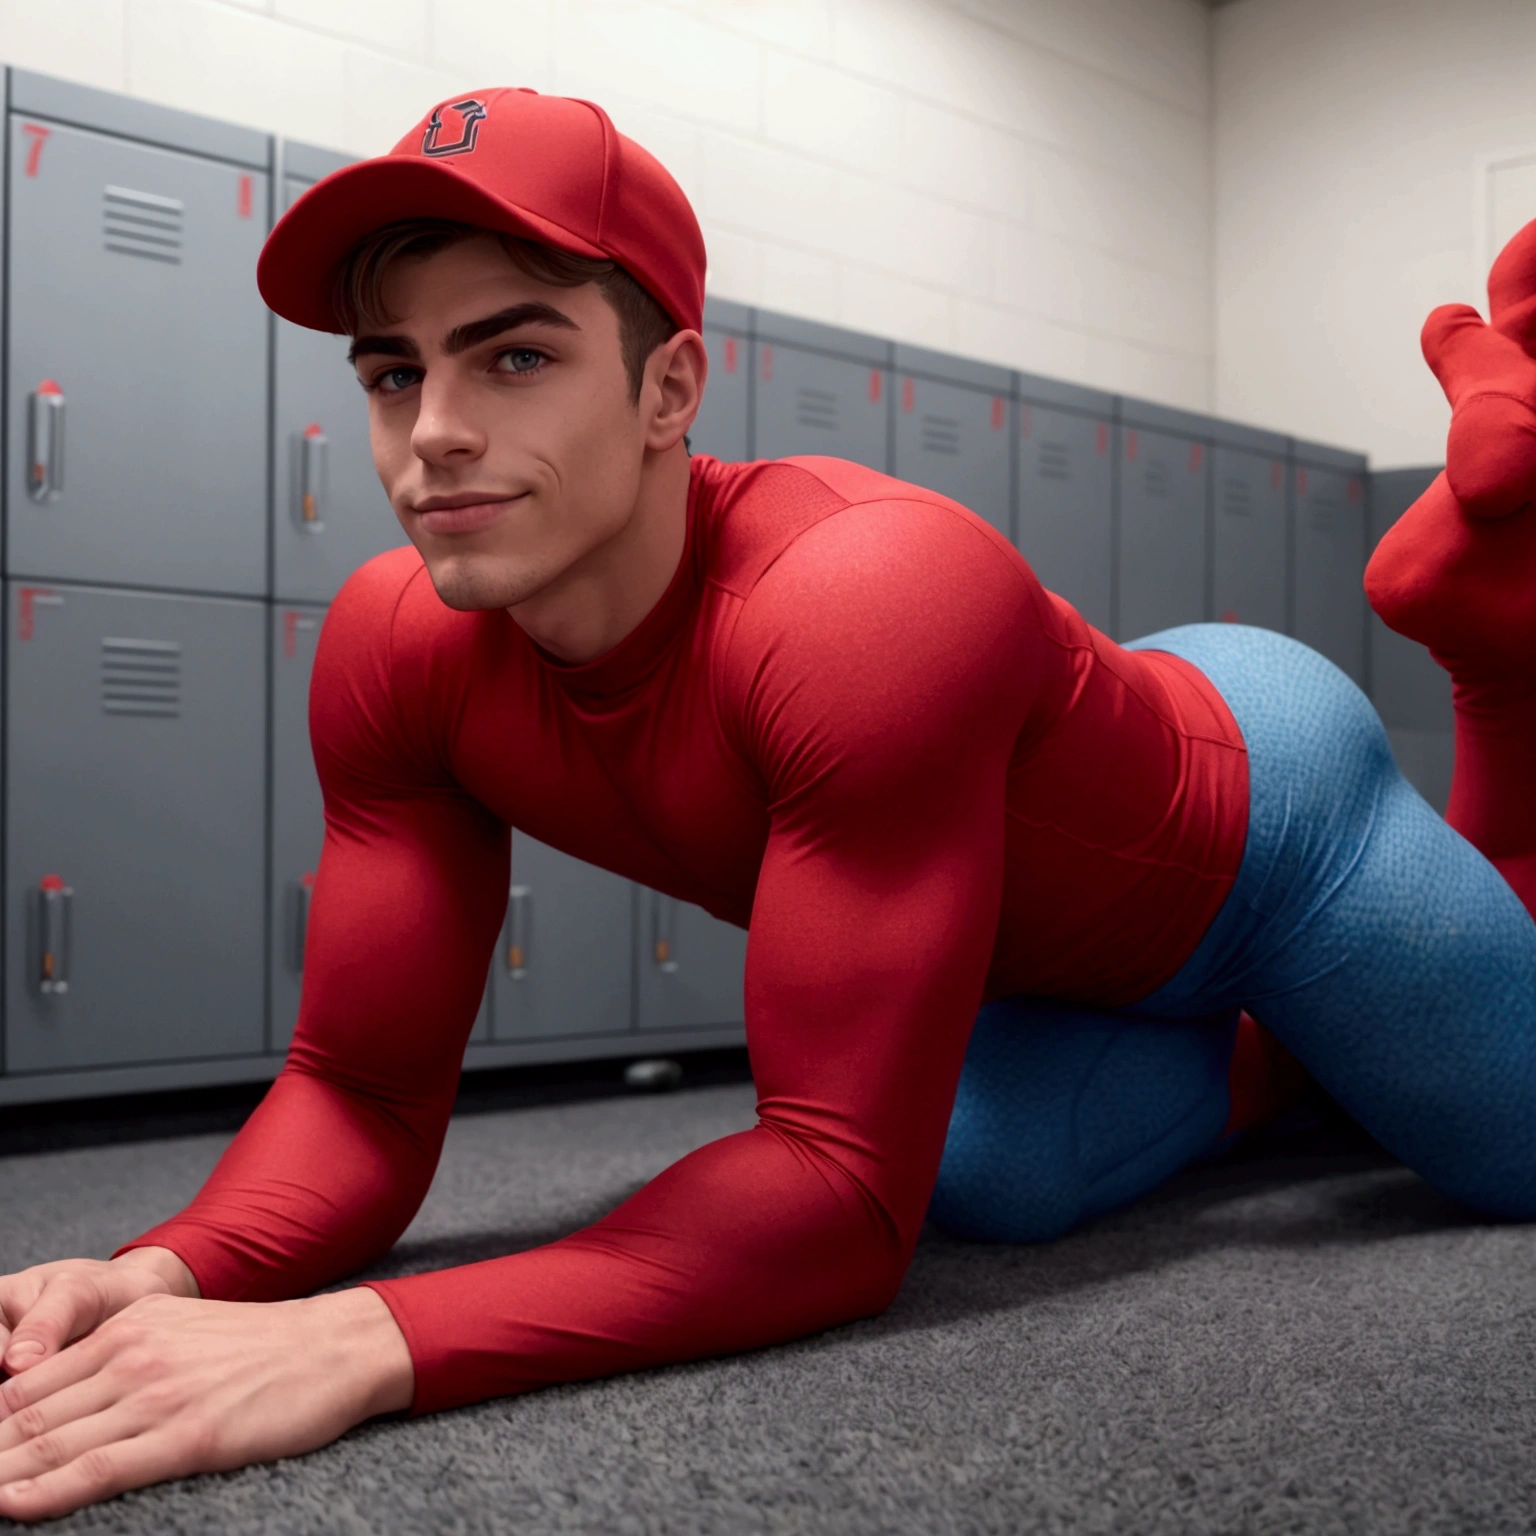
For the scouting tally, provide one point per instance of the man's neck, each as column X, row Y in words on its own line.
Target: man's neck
column 605, row 596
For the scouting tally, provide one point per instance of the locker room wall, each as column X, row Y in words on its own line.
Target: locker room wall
column 1026, row 182
column 1143, row 515
column 163, row 821
column 1411, row 692
column 1369, row 161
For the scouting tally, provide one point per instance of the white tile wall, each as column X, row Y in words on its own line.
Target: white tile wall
column 1348, row 146
column 1025, row 181
column 83, row 40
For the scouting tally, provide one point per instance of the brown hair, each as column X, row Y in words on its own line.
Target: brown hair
column 358, row 297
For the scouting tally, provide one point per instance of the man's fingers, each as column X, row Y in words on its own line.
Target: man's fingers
column 68, row 1305
column 18, row 1294
column 89, row 1460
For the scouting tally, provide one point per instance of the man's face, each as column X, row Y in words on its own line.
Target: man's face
column 501, row 422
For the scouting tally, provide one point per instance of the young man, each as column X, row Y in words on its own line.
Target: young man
column 828, row 706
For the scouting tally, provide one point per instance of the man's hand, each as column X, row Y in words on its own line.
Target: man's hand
column 172, row 1385
column 43, row 1308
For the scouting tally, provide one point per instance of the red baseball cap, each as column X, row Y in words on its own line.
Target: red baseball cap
column 548, row 168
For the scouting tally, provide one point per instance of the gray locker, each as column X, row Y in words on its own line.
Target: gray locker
column 565, row 961
column 952, row 431
column 330, row 513
column 820, row 390
column 1328, row 555
column 298, row 816
column 722, row 427
column 1164, row 498
column 135, row 322
column 1065, row 492
column 1411, row 691
column 135, row 816
column 298, row 819
column 692, row 966
column 1250, row 540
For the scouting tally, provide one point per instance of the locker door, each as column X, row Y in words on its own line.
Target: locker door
column 954, row 440
column 1411, row 691
column 1163, row 480
column 132, row 299
column 298, row 818
column 135, row 811
column 1066, row 507
column 564, row 965
column 1249, row 548
column 691, row 965
column 330, row 513
column 721, row 426
column 1330, row 565
column 810, row 403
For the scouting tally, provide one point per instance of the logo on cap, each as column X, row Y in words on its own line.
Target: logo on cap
column 470, row 111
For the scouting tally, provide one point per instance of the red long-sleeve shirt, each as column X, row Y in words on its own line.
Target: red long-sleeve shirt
column 855, row 722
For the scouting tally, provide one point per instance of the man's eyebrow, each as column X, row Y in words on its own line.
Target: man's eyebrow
column 462, row 337
column 384, row 346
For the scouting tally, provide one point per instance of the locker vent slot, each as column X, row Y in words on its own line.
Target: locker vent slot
column 1236, row 498
column 1055, row 461
column 141, row 677
column 816, row 408
column 941, row 434
column 142, row 224
column 1324, row 513
column 1158, row 479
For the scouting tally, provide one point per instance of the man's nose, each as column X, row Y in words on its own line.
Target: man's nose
column 445, row 429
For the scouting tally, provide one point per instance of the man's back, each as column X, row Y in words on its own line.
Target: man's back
column 824, row 613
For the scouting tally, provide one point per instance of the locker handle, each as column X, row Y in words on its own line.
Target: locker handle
column 54, row 903
column 310, row 513
column 303, row 892
column 45, row 442
column 663, row 932
column 519, row 926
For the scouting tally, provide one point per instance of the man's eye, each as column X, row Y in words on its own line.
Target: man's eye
column 520, row 360
column 393, row 380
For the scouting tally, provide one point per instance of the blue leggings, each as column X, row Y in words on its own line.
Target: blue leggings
column 1374, row 942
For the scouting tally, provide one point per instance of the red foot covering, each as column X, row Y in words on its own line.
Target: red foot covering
column 856, row 719
column 1466, row 587
column 1457, row 571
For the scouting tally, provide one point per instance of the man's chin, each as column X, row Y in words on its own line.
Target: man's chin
column 472, row 586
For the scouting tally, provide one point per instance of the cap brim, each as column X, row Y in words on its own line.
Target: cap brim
column 297, row 269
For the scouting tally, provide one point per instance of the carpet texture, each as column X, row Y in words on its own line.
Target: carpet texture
column 1302, row 1337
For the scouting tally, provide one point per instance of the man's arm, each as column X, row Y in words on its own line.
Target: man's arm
column 412, row 881
column 878, row 675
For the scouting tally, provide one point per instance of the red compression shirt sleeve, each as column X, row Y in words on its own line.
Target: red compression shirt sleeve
column 334, row 1162
column 875, row 682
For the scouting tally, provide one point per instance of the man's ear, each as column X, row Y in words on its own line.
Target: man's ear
column 673, row 388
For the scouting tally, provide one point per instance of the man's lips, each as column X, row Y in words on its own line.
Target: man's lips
column 456, row 515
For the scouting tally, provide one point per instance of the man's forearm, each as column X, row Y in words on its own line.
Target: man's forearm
column 178, row 1279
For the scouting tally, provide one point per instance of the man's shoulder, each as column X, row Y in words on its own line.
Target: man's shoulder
column 764, row 509
column 373, row 592
column 389, row 639
column 388, row 604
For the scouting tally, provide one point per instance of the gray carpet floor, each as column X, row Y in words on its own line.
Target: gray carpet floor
column 1302, row 1337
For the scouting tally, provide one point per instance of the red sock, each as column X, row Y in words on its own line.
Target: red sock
column 1263, row 1080
column 1457, row 572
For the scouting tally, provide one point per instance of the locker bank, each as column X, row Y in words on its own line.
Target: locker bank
column 188, row 482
